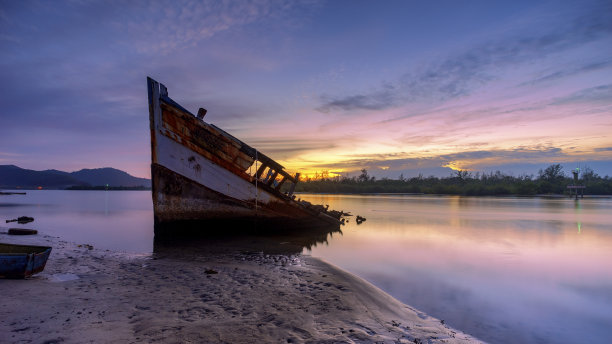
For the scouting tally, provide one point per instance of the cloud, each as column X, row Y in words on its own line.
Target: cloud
column 459, row 75
column 589, row 67
column 149, row 27
column 598, row 94
column 80, row 66
column 165, row 26
column 9, row 155
column 286, row 147
column 375, row 101
column 604, row 149
column 470, row 160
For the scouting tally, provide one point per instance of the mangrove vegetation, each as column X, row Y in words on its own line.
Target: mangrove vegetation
column 551, row 180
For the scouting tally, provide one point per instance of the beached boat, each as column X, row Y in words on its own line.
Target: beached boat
column 20, row 261
column 203, row 175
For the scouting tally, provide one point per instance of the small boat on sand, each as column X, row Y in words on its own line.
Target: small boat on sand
column 20, row 261
column 203, row 175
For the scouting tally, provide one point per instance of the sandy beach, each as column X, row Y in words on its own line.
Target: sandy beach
column 203, row 293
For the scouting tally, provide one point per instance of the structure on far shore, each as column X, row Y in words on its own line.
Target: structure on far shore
column 574, row 189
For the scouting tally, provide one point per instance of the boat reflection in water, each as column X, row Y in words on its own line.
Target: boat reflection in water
column 230, row 242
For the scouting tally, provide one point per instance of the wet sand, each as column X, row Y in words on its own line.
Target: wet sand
column 214, row 294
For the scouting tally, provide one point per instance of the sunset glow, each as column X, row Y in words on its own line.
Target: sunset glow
column 394, row 87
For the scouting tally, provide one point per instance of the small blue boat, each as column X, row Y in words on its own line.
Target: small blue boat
column 20, row 261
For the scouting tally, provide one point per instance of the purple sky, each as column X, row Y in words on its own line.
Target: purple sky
column 395, row 87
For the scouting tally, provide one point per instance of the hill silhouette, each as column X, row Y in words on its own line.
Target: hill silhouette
column 12, row 177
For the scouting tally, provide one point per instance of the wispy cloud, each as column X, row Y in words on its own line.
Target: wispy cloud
column 378, row 100
column 281, row 148
column 8, row 154
column 76, row 72
column 169, row 25
column 599, row 94
column 460, row 74
column 396, row 162
column 575, row 70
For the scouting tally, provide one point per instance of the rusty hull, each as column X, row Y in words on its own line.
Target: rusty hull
column 185, row 206
column 202, row 174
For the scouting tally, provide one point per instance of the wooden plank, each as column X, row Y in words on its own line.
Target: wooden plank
column 232, row 147
column 281, row 183
column 191, row 130
column 288, row 176
column 154, row 115
column 272, row 178
column 260, row 170
column 292, row 189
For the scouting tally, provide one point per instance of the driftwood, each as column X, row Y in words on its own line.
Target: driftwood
column 22, row 231
column 21, row 219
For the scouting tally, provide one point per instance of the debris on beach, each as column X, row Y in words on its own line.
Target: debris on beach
column 22, row 231
column 210, row 272
column 359, row 219
column 21, row 220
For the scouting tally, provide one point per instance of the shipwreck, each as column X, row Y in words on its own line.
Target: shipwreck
column 205, row 179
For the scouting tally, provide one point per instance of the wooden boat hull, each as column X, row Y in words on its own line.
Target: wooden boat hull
column 20, row 261
column 205, row 177
column 185, row 207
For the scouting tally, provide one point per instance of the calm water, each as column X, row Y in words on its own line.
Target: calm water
column 505, row 270
column 114, row 220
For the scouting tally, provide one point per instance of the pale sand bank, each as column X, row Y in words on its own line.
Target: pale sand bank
column 91, row 295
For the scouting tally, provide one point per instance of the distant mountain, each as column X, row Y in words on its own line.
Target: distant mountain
column 110, row 176
column 12, row 177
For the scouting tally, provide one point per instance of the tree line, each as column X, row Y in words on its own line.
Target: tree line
column 551, row 180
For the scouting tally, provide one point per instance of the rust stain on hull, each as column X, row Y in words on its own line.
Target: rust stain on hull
column 200, row 140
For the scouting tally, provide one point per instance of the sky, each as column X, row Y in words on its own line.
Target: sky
column 396, row 87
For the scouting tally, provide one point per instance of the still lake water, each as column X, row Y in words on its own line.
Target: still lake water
column 506, row 270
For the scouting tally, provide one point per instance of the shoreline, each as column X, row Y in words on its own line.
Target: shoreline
column 9, row 191
column 194, row 294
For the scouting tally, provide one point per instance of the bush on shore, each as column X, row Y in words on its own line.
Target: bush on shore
column 551, row 180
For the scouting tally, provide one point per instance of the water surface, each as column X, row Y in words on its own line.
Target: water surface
column 505, row 270
column 113, row 220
